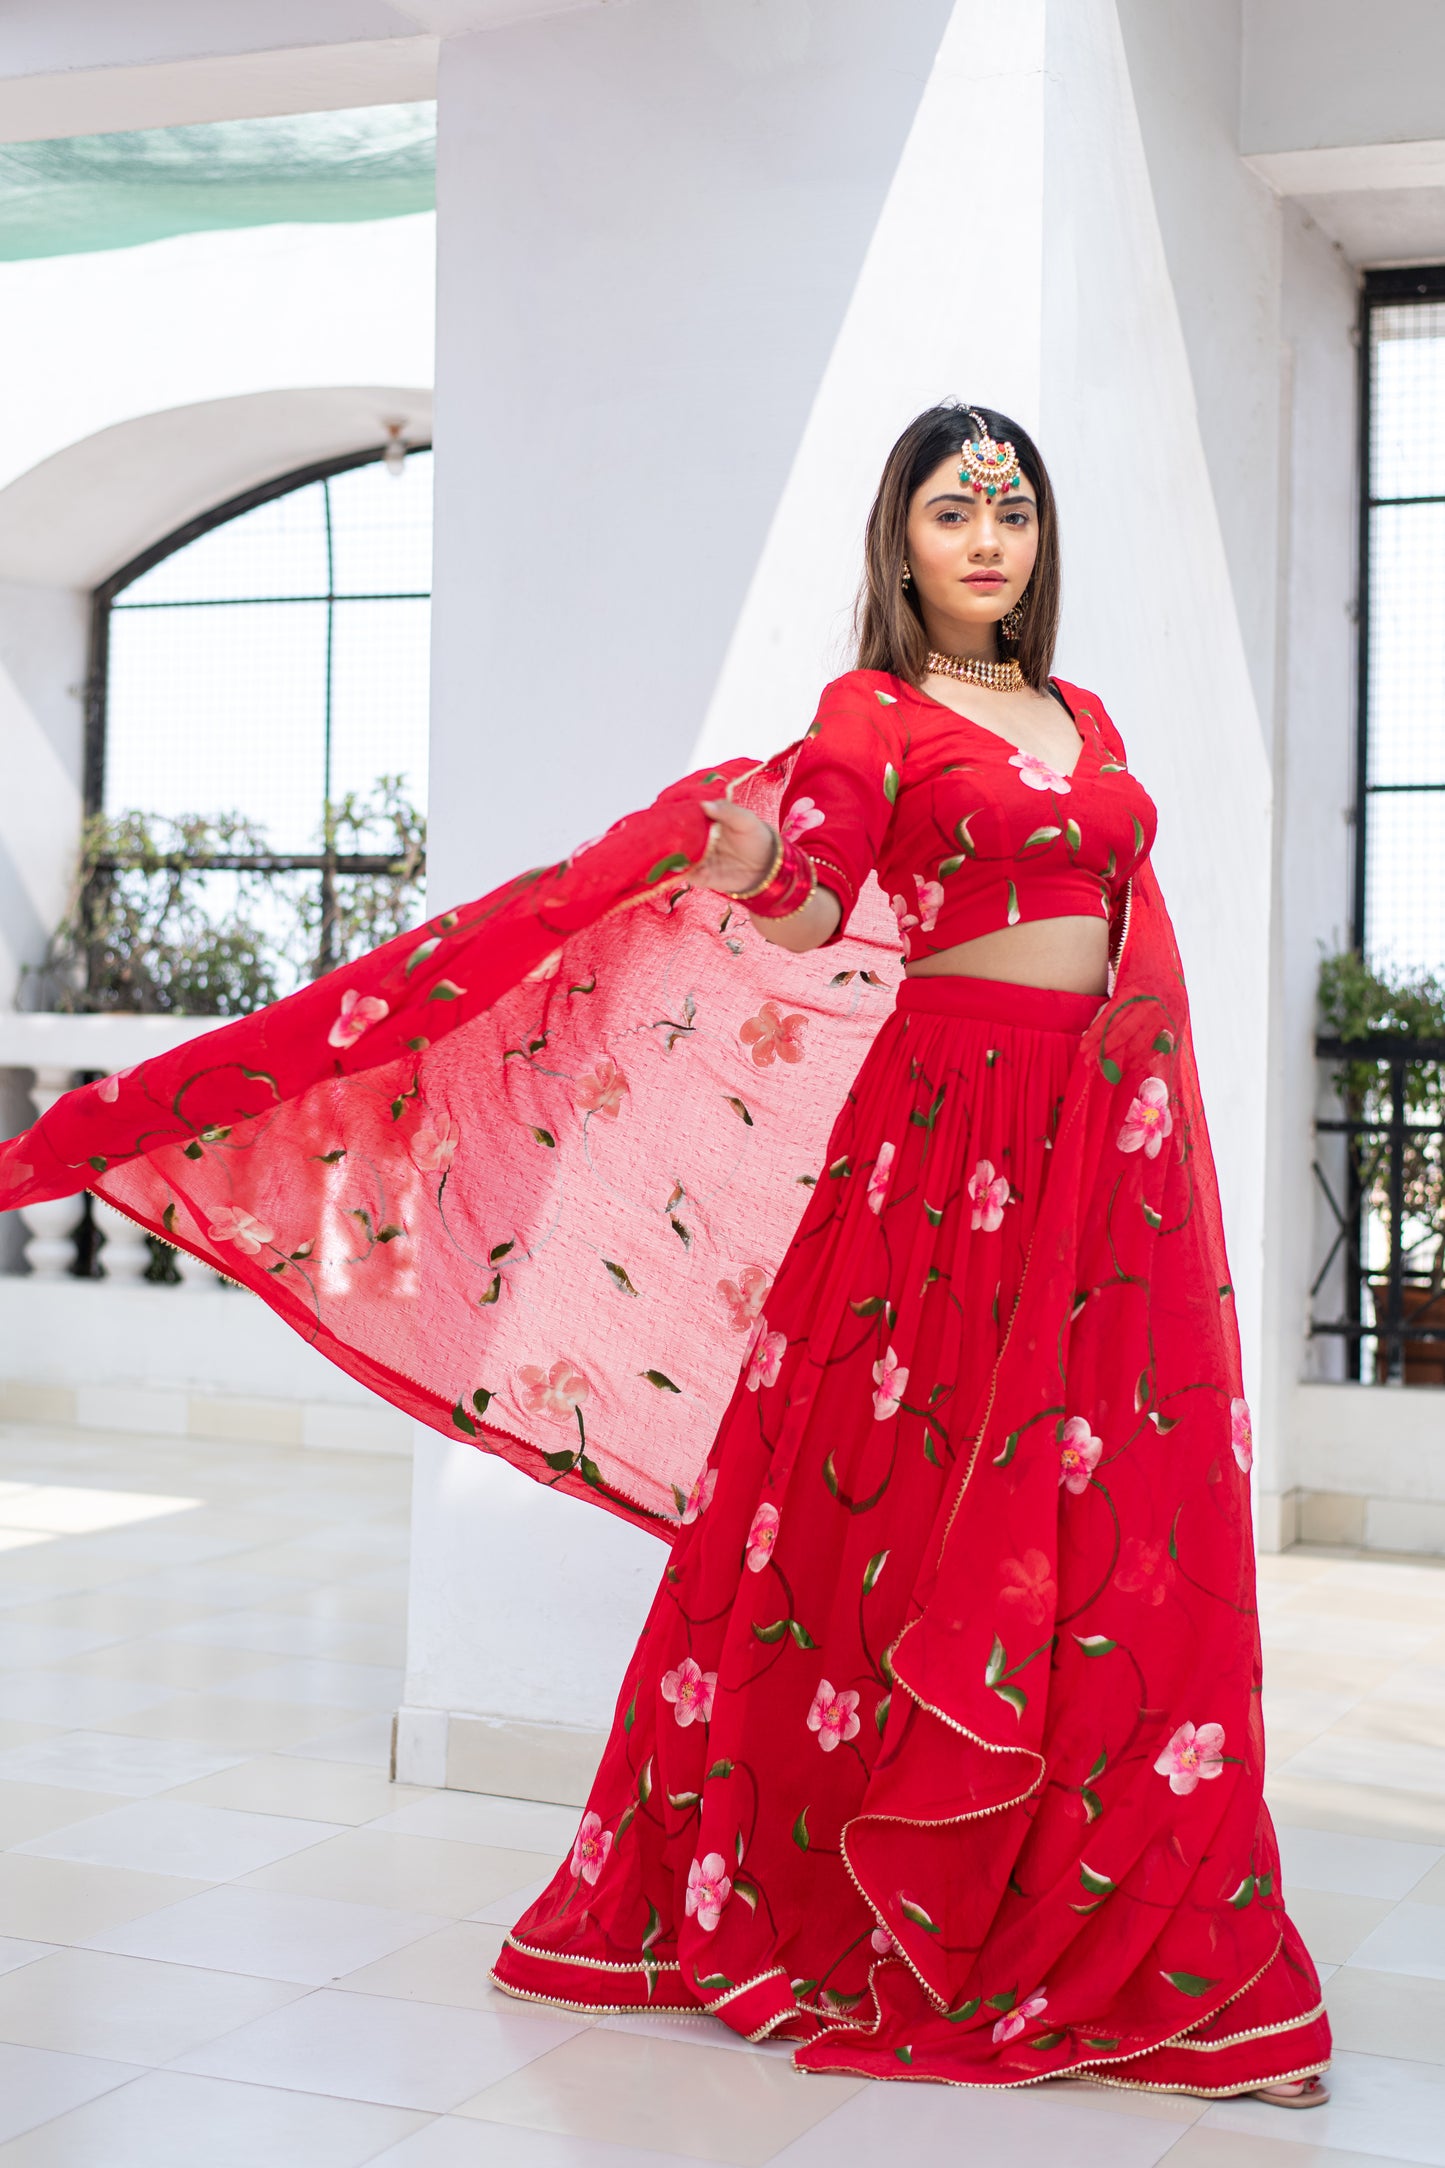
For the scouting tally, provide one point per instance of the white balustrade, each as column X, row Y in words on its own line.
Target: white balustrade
column 51, row 1227
column 126, row 1254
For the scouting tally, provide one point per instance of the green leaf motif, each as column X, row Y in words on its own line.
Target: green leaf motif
column 1244, row 1894
column 905, row 2055
column 675, row 862
column 964, row 2011
column 493, row 1292
column 1046, row 2042
column 644, row 1782
column 1096, row 1645
column 911, row 1910
column 1005, row 2002
column 654, row 1927
column 800, row 1831
column 446, row 990
column 839, row 1169
column 619, row 1274
column 631, row 1717
column 1164, row 1044
column 1163, row 1423
column 869, row 1307
column 683, row 1800
column 716, row 1983
column 1153, row 1218
column 747, row 1890
column 773, row 1633
column 880, row 1713
column 719, row 1769
column 872, row 1570
column 963, row 839
column 1098, row 1885
column 563, row 1463
column 1141, row 1391
column 481, row 1400
column 1112, row 1071
column 1098, row 1769
column 420, row 955
column 890, row 783
column 1045, row 834
column 1010, row 1447
column 885, row 700
column 1015, row 1696
column 739, row 1109
column 545, row 1136
column 1189, row 1983
column 997, row 1663
column 1072, row 836
column 1093, row 1804
column 830, row 1475
column 801, row 1635
column 837, row 2000
column 463, row 1421
column 934, row 1213
column 663, row 1383
column 948, row 867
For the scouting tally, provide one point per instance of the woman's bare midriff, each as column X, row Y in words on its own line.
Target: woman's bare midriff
column 1069, row 955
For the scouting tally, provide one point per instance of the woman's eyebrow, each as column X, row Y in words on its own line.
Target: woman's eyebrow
column 962, row 496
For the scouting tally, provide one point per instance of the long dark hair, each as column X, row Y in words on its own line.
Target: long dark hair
column 889, row 623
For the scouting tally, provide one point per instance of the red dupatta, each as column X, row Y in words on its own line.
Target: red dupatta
column 512, row 1171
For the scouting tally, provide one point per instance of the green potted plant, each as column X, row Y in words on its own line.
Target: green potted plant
column 1358, row 1001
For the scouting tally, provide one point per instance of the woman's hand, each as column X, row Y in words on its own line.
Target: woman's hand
column 740, row 849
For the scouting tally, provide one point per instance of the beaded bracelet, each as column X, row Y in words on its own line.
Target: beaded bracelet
column 788, row 886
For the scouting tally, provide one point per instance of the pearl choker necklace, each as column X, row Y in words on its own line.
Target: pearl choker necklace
column 1002, row 677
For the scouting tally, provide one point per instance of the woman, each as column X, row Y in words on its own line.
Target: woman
column 940, row 1754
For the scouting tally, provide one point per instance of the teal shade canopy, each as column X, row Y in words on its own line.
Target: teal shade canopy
column 76, row 194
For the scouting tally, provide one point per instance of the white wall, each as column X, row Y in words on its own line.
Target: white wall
column 111, row 373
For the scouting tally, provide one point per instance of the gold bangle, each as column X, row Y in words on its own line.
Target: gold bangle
column 742, row 895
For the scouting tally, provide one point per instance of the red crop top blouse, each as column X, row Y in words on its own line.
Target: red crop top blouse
column 966, row 832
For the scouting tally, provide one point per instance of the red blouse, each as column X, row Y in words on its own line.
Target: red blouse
column 967, row 833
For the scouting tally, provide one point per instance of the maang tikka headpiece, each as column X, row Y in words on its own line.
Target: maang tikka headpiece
column 988, row 467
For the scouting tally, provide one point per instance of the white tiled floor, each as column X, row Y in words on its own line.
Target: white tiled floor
column 226, row 1941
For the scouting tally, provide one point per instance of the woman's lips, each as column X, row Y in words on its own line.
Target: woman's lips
column 985, row 579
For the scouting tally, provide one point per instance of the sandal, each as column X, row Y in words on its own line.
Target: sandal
column 1309, row 2092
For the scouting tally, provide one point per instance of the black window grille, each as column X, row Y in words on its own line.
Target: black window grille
column 258, row 695
column 1381, row 1287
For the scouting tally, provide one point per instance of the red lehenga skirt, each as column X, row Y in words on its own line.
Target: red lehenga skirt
column 773, row 1828
column 941, row 1755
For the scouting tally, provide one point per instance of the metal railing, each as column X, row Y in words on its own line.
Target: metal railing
column 1382, row 1185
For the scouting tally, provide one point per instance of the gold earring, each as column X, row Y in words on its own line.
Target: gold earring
column 1011, row 624
column 907, row 579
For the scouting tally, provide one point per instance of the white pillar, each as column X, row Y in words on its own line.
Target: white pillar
column 651, row 224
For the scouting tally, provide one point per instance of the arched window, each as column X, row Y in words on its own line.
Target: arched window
column 257, row 734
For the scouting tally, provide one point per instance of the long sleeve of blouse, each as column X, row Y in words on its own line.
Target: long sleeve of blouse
column 844, row 785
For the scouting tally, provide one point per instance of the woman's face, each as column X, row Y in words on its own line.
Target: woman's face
column 971, row 557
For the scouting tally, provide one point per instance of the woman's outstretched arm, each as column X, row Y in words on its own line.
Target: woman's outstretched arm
column 740, row 850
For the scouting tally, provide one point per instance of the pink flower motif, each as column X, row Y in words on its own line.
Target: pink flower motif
column 745, row 1296
column 882, row 1941
column 881, row 1176
column 708, row 1890
column 248, row 1234
column 771, row 1034
column 801, row 815
column 359, row 1012
column 1241, row 1434
column 434, row 1149
column 1037, row 773
column 553, row 1394
column 589, row 1853
column 907, row 920
column 699, row 1498
column 1079, row 1457
column 108, row 1088
column 1145, row 1569
column 891, row 1378
column 761, row 1537
column 601, row 1090
column 1192, row 1756
column 1148, row 1121
column 1012, row 2023
column 930, row 902
column 690, row 1691
column 1028, row 1588
column 990, row 1193
column 765, row 1356
column 833, row 1716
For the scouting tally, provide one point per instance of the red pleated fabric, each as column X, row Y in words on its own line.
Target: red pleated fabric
column 942, row 1753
